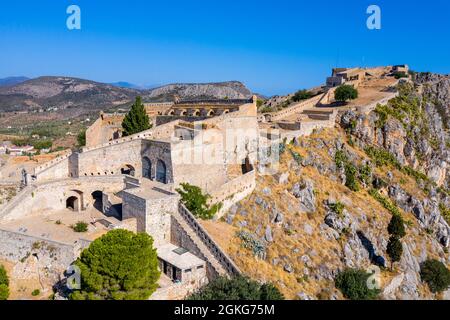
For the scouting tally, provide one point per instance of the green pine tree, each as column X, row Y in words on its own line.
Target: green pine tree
column 237, row 288
column 136, row 119
column 120, row 265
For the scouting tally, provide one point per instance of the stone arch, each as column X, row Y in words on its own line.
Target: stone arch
column 196, row 112
column 211, row 113
column 73, row 203
column 268, row 117
column 161, row 171
column 146, row 168
column 171, row 113
column 128, row 169
column 226, row 111
column 183, row 112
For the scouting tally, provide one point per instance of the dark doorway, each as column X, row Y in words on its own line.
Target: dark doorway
column 247, row 166
column 72, row 203
column 97, row 196
column 146, row 168
column 128, row 170
column 174, row 273
column 161, row 172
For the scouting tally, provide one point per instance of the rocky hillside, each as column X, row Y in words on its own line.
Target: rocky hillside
column 329, row 206
column 78, row 96
column 62, row 93
column 219, row 90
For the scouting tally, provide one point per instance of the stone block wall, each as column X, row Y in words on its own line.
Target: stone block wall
column 54, row 256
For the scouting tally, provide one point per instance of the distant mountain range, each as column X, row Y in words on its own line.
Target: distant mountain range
column 79, row 96
column 10, row 81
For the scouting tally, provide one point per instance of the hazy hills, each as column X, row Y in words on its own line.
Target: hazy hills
column 79, row 95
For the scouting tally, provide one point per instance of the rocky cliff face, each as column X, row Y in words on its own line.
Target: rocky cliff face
column 329, row 206
column 413, row 127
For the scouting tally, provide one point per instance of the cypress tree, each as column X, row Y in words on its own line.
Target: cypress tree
column 136, row 119
column 396, row 226
column 394, row 249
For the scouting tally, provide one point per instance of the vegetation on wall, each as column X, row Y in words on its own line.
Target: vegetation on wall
column 197, row 202
column 237, row 288
column 120, row 265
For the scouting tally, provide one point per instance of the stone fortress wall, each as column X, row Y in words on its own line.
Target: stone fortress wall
column 155, row 160
column 52, row 195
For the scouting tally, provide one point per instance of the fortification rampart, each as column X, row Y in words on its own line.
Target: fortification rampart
column 52, row 196
column 233, row 191
column 51, row 255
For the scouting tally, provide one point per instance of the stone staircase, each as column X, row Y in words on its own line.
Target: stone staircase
column 208, row 256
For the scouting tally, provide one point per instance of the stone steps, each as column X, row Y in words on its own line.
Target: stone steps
column 200, row 245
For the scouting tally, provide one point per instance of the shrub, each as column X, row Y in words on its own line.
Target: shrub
column 36, row 292
column 436, row 275
column 4, row 283
column 394, row 249
column 396, row 226
column 4, row 292
column 337, row 207
column 251, row 242
column 81, row 138
column 297, row 156
column 237, row 288
column 80, row 227
column 197, row 202
column 350, row 177
column 119, row 265
column 3, row 276
column 353, row 285
column 345, row 92
column 301, row 95
column 386, row 203
column 400, row 74
column 365, row 174
column 340, row 158
column 382, row 157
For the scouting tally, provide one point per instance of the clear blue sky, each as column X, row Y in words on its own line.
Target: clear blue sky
column 274, row 47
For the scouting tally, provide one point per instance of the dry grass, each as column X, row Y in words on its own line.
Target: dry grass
column 290, row 247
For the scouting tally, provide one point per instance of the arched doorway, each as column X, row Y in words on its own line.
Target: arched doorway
column 128, row 170
column 73, row 203
column 247, row 166
column 97, row 197
column 161, row 172
column 146, row 168
column 268, row 117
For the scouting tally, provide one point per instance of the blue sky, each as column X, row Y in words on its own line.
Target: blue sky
column 274, row 47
